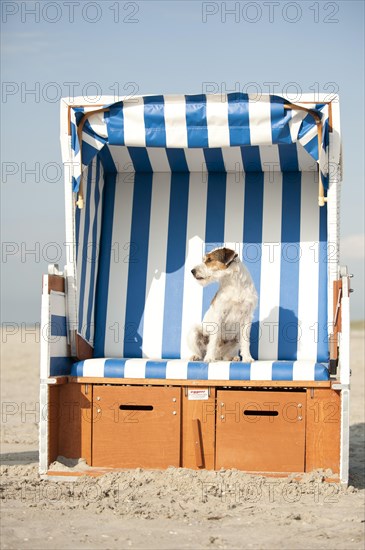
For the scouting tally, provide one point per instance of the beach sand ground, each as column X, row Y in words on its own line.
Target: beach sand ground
column 171, row 509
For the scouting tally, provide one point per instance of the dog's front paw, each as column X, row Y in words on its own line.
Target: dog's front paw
column 208, row 359
column 236, row 358
column 195, row 358
column 247, row 359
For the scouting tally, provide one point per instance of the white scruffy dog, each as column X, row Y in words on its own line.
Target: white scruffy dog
column 225, row 331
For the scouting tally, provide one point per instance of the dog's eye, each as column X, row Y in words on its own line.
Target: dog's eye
column 208, row 260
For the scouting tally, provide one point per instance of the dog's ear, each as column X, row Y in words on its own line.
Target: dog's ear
column 229, row 256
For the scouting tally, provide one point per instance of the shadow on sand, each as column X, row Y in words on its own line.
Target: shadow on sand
column 357, row 461
column 25, row 457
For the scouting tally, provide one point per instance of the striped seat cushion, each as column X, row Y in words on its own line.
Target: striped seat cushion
column 184, row 370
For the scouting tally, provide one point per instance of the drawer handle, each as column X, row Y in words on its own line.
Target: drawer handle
column 136, row 407
column 249, row 412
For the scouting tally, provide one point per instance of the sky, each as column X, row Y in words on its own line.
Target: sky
column 56, row 49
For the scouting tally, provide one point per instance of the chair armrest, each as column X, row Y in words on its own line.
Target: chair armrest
column 344, row 340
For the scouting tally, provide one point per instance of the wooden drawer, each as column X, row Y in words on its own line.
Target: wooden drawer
column 261, row 431
column 136, row 426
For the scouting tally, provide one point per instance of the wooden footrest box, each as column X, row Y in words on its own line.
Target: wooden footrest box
column 277, row 430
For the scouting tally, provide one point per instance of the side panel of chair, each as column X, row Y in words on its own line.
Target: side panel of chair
column 55, row 360
column 55, row 351
column 335, row 328
column 345, row 373
column 344, row 342
column 345, row 436
column 70, row 421
column 323, row 429
column 340, row 357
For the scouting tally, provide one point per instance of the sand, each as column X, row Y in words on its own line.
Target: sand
column 171, row 509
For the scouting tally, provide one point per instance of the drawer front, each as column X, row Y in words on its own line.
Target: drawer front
column 261, row 431
column 136, row 427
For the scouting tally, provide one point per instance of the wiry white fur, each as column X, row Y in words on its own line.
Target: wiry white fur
column 225, row 330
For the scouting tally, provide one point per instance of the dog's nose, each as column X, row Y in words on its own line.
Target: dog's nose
column 193, row 271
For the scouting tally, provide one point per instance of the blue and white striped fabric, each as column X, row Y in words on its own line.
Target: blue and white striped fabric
column 60, row 361
column 184, row 370
column 176, row 124
column 168, row 178
column 87, row 236
column 154, row 229
column 259, row 158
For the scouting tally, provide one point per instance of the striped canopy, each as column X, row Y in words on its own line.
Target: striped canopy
column 226, row 132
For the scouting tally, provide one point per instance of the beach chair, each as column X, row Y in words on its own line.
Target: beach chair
column 152, row 183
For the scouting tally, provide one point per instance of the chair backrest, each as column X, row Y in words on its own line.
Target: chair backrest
column 150, row 228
